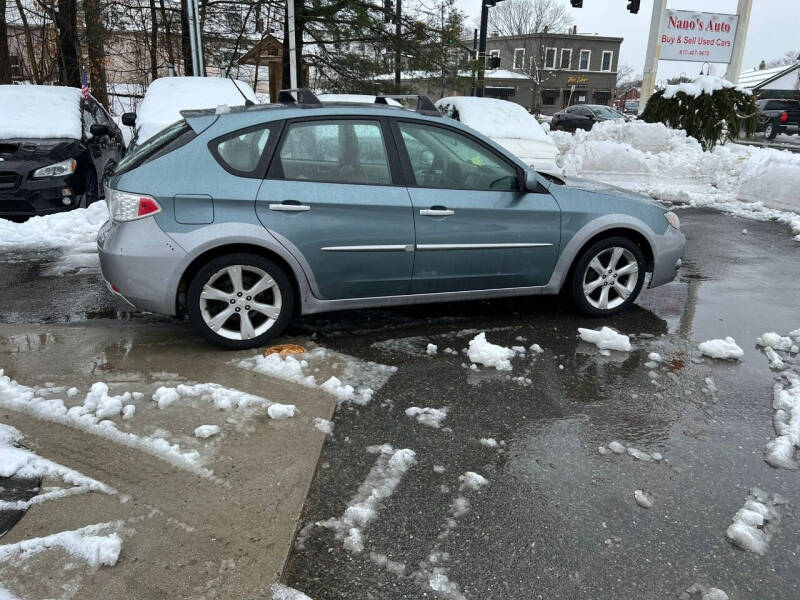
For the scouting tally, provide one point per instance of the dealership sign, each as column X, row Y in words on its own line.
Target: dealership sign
column 698, row 36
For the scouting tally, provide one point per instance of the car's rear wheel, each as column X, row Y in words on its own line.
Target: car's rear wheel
column 608, row 277
column 770, row 130
column 240, row 301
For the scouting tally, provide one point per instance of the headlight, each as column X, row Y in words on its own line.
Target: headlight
column 123, row 206
column 672, row 219
column 65, row 167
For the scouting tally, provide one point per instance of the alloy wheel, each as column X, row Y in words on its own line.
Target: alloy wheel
column 240, row 302
column 610, row 278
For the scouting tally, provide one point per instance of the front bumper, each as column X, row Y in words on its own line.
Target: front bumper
column 668, row 255
column 140, row 263
column 30, row 197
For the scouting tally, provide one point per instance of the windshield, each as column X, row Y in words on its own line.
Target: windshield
column 166, row 140
column 606, row 112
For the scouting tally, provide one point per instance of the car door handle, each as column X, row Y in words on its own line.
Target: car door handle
column 289, row 206
column 436, row 212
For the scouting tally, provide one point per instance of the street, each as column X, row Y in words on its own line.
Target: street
column 554, row 517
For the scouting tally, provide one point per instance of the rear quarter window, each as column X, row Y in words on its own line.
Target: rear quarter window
column 245, row 152
column 165, row 141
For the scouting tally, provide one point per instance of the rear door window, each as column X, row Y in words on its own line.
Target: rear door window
column 243, row 152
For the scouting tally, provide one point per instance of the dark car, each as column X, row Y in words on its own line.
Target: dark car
column 55, row 149
column 778, row 115
column 583, row 116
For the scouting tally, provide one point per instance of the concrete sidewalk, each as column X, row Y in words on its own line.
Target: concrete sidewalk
column 184, row 535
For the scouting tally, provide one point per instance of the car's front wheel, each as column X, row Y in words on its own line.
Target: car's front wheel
column 240, row 301
column 770, row 130
column 608, row 277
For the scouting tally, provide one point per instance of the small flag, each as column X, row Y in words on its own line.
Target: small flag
column 84, row 85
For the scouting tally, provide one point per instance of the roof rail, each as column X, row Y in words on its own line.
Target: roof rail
column 305, row 97
column 424, row 104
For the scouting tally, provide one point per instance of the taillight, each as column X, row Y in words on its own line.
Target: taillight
column 124, row 206
column 784, row 117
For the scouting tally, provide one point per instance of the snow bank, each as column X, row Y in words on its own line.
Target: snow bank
column 23, row 399
column 606, row 339
column 755, row 523
column 379, row 484
column 166, row 97
column 483, row 352
column 786, row 402
column 20, row 462
column 88, row 543
column 670, row 166
column 723, row 349
column 432, row 417
column 40, row 111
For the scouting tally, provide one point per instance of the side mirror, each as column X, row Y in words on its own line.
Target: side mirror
column 532, row 184
column 129, row 119
column 98, row 130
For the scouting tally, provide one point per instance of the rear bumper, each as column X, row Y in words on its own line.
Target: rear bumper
column 667, row 256
column 40, row 196
column 138, row 261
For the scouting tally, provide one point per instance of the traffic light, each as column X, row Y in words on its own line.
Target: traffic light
column 633, row 6
column 576, row 3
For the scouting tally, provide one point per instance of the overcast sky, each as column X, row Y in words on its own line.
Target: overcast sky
column 773, row 28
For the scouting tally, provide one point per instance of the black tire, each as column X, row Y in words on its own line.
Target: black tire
column 579, row 272
column 770, row 130
column 247, row 261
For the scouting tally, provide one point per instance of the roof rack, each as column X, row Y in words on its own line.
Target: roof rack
column 305, row 97
column 424, row 104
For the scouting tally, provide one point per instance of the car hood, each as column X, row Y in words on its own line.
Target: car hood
column 26, row 151
column 606, row 189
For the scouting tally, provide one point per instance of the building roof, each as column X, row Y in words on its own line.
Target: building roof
column 553, row 35
column 754, row 78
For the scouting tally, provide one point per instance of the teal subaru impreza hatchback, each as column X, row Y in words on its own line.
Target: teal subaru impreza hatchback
column 241, row 219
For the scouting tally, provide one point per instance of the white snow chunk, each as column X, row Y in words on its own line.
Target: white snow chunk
column 602, row 450
column 323, row 425
column 774, row 341
column 489, row 355
column 282, row 592
column 206, row 431
column 281, row 411
column 89, row 543
column 722, row 349
column 536, row 348
column 488, row 442
column 379, row 484
column 775, row 361
column 165, row 396
column 714, row 593
column 786, row 402
column 755, row 523
column 439, row 469
column 472, row 481
column 643, row 499
column 432, row 417
column 431, row 349
column 73, row 391
column 617, row 447
column 606, row 339
column 335, row 387
column 639, row 454
column 654, row 356
column 128, row 411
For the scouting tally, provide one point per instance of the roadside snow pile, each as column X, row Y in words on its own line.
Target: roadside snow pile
column 432, row 417
column 23, row 399
column 772, row 343
column 670, row 166
column 606, row 339
column 756, row 522
column 282, row 592
column 92, row 544
column 360, row 379
column 786, row 402
column 19, row 462
column 483, row 352
column 723, row 349
column 379, row 484
column 223, row 398
column 40, row 111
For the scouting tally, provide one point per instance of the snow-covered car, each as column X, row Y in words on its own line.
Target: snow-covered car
column 355, row 99
column 55, row 149
column 507, row 124
column 166, row 97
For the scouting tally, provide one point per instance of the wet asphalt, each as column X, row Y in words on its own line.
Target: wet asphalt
column 557, row 519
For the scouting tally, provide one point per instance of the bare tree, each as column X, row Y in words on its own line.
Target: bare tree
column 523, row 17
column 625, row 76
column 5, row 55
column 95, row 47
column 790, row 57
column 67, row 21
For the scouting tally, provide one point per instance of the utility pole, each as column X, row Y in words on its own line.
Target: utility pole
column 292, row 45
column 743, row 9
column 475, row 61
column 482, row 48
column 195, row 39
column 398, row 58
column 653, row 52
